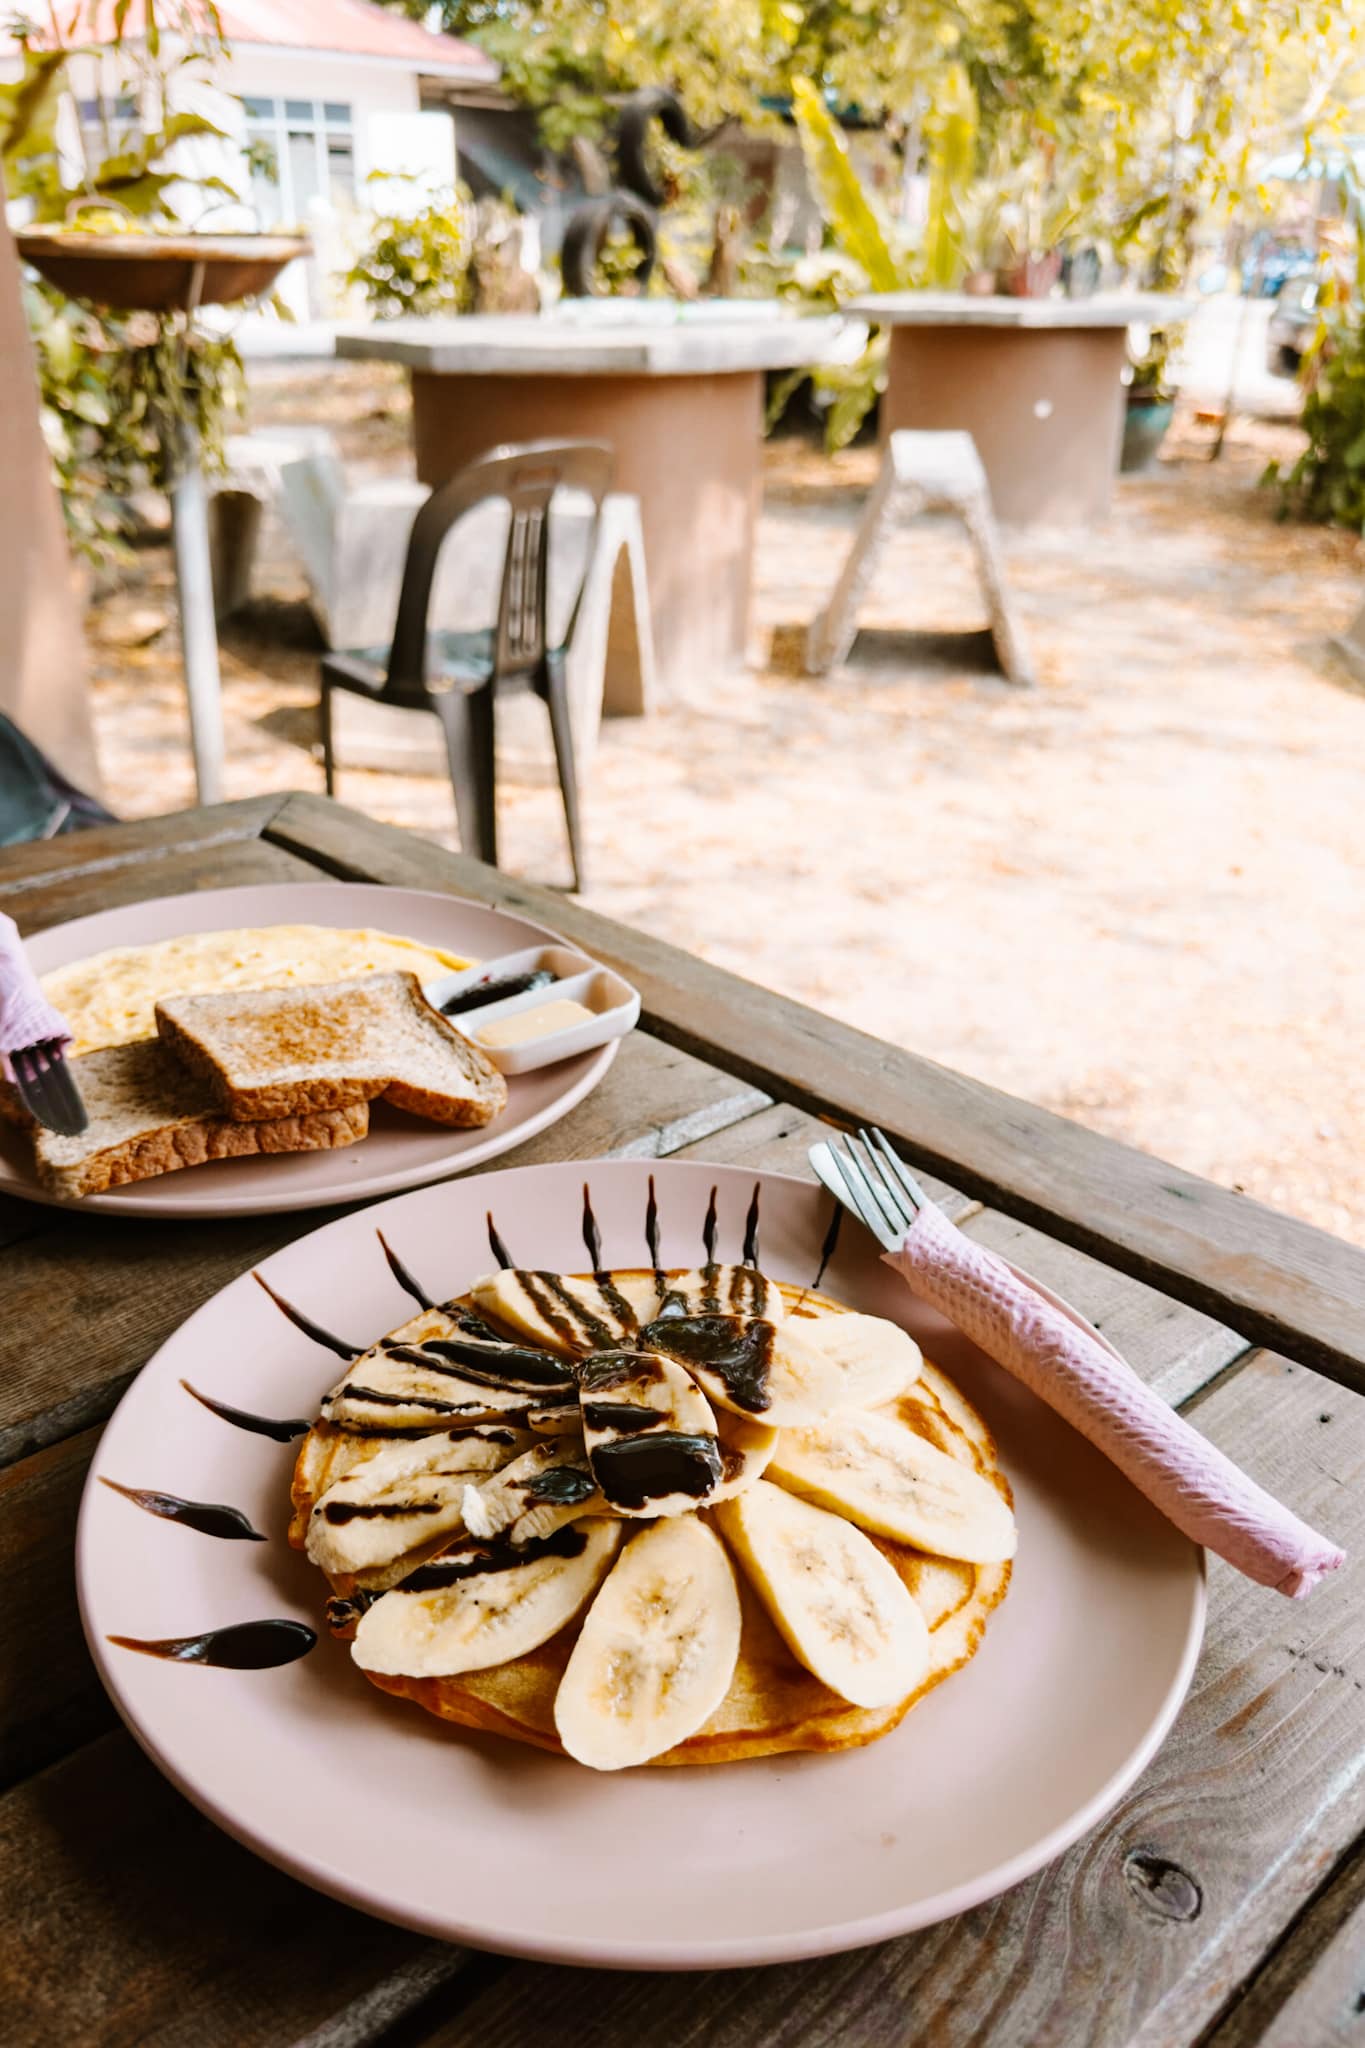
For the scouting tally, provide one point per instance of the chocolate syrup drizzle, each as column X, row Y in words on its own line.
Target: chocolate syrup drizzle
column 497, row 1247
column 208, row 1517
column 305, row 1323
column 258, row 1425
column 401, row 1274
column 246, row 1646
column 750, row 1253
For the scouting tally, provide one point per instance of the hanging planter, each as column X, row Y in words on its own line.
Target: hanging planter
column 157, row 273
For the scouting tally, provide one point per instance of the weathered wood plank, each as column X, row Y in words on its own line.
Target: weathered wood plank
column 128, row 1920
column 1271, row 1278
column 50, row 1699
column 225, row 865
column 143, row 839
column 85, row 1300
column 1137, row 1938
column 1311, row 1994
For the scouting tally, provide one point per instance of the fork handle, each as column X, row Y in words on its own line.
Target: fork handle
column 26, row 1016
column 1186, row 1477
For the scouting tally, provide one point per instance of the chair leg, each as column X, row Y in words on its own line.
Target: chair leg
column 556, row 693
column 329, row 766
column 470, row 750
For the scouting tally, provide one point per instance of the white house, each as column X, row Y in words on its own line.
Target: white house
column 315, row 97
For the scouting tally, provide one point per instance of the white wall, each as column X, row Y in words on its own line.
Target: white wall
column 391, row 135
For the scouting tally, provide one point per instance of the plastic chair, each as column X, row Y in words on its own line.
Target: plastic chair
column 457, row 675
column 36, row 800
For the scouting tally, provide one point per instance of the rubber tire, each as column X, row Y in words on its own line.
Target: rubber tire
column 588, row 228
column 637, row 116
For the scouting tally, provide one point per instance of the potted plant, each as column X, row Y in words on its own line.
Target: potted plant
column 1149, row 400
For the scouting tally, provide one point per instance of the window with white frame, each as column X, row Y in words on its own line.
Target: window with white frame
column 299, row 151
column 108, row 124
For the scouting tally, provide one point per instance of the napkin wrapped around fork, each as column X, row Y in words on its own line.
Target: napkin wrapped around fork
column 1183, row 1475
column 26, row 1016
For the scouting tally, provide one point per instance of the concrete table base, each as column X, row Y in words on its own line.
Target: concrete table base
column 688, row 447
column 1044, row 407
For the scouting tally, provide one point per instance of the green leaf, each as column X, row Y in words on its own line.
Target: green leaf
column 852, row 222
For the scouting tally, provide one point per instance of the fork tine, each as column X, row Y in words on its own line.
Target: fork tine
column 849, row 1163
column 829, row 1168
column 911, row 1187
column 876, row 1172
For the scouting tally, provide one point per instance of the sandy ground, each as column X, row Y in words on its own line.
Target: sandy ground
column 1136, row 894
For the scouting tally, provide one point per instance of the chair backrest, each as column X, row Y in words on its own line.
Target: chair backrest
column 526, row 476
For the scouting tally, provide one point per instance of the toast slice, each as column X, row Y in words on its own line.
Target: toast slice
column 281, row 1052
column 149, row 1116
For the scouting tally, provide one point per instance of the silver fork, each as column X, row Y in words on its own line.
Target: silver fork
column 866, row 1176
column 47, row 1089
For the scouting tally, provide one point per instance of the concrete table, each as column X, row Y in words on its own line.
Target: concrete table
column 678, row 395
column 1035, row 382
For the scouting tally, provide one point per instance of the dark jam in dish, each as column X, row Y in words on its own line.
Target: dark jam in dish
column 258, row 1425
column 210, row 1518
column 246, row 1646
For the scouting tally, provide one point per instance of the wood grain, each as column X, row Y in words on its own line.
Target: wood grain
column 1311, row 1992
column 50, row 1698
column 129, row 1921
column 230, row 864
column 1139, row 1935
column 87, row 1299
column 1270, row 1277
column 103, row 847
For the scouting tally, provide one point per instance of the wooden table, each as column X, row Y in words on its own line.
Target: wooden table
column 1222, row 1903
column 1035, row 382
column 679, row 400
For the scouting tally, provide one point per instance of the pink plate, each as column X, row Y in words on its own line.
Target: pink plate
column 483, row 1841
column 400, row 1151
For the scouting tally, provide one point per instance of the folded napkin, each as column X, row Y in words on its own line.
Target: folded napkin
column 26, row 1016
column 1066, row 1365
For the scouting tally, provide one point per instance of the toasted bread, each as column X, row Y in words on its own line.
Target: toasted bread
column 148, row 1116
column 281, row 1052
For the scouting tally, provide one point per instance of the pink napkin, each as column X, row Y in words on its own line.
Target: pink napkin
column 1181, row 1472
column 26, row 1016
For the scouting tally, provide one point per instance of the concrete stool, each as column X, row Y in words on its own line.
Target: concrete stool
column 921, row 473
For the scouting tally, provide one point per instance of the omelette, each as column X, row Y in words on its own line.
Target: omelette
column 654, row 1518
column 110, row 998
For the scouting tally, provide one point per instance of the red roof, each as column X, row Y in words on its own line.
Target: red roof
column 349, row 28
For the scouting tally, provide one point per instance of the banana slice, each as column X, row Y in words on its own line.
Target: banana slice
column 722, row 1290
column 641, row 1290
column 650, row 1434
column 877, row 1358
column 840, row 1605
column 404, row 1496
column 886, row 1478
column 536, row 1493
column 752, row 1366
column 745, row 1449
column 657, row 1649
column 481, row 1603
column 436, row 1373
column 562, row 1311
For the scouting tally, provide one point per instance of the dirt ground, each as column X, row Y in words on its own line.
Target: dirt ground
column 1135, row 894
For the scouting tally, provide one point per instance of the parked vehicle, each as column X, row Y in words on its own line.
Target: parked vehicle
column 1293, row 323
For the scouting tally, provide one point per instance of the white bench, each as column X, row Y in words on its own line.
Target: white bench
column 921, row 472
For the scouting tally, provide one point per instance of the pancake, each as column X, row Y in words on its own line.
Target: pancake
column 773, row 1703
